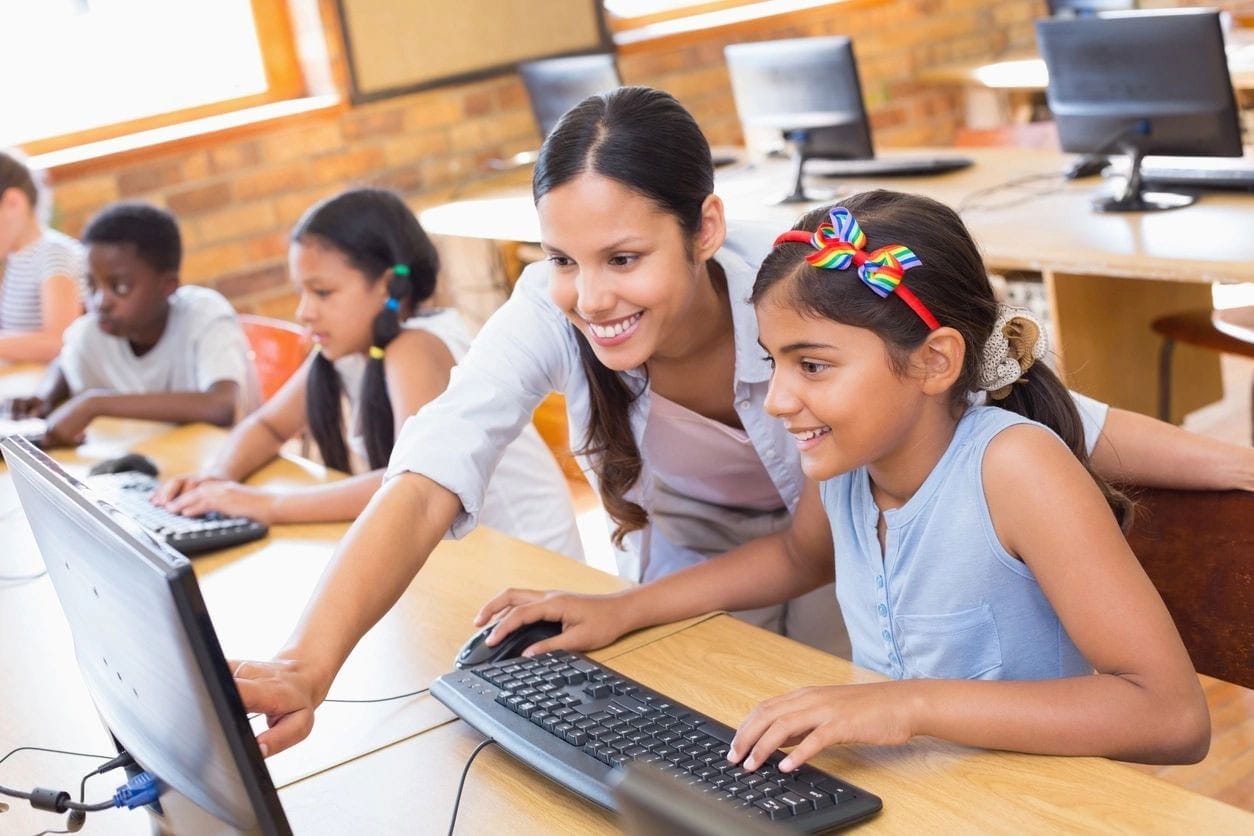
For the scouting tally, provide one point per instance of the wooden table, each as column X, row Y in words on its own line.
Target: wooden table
column 1107, row 275
column 724, row 667
column 255, row 593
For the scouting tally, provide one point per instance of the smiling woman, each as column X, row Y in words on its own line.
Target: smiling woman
column 166, row 57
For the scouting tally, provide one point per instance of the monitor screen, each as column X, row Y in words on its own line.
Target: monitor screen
column 555, row 85
column 803, row 84
column 148, row 654
column 1154, row 82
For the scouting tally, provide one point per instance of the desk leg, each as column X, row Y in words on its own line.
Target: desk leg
column 1106, row 348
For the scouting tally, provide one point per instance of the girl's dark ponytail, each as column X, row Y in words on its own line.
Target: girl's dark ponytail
column 379, row 237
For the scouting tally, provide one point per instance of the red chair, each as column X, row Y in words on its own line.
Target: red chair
column 277, row 346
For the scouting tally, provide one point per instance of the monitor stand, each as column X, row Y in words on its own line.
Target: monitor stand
column 796, row 141
column 1133, row 197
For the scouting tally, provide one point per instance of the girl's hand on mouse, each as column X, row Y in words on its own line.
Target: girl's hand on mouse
column 814, row 718
column 281, row 690
column 230, row 499
column 588, row 621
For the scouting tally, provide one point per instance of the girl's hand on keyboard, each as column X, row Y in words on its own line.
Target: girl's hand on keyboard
column 588, row 621
column 231, row 499
column 180, row 485
column 814, row 718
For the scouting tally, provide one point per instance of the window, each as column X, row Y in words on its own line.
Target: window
column 92, row 69
column 629, row 14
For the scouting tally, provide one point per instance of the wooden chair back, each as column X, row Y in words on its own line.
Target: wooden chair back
column 1198, row 549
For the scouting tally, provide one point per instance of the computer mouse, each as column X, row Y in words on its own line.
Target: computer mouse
column 477, row 652
column 125, row 464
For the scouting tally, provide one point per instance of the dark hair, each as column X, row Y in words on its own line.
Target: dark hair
column 951, row 282
column 375, row 232
column 151, row 231
column 15, row 174
column 645, row 140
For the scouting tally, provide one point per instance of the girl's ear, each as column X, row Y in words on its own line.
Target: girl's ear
column 713, row 229
column 940, row 359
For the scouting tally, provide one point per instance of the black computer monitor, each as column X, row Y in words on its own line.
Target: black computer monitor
column 148, row 654
column 1141, row 83
column 555, row 85
column 808, row 89
column 1088, row 8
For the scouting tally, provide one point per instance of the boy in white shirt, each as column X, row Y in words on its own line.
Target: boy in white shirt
column 148, row 348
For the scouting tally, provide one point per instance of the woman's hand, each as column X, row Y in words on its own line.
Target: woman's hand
column 281, row 690
column 817, row 717
column 588, row 621
column 230, row 499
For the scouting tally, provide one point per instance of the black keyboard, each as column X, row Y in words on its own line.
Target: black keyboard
column 129, row 492
column 887, row 166
column 579, row 723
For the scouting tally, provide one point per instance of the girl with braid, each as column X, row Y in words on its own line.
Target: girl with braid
column 366, row 272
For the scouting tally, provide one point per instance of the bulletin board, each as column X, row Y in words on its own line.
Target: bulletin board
column 398, row 47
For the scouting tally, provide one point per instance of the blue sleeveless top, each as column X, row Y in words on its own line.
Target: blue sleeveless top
column 945, row 600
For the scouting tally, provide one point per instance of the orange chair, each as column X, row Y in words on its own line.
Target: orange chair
column 277, row 346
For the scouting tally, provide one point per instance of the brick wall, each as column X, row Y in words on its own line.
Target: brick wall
column 236, row 197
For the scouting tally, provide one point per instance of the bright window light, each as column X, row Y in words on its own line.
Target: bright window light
column 71, row 65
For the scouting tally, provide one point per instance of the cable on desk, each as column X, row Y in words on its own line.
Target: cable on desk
column 383, row 699
column 1055, row 181
column 457, row 800
column 23, row 578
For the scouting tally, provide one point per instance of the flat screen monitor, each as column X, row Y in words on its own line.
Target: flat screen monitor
column 1141, row 83
column 555, row 85
column 1088, row 8
column 808, row 89
column 148, row 654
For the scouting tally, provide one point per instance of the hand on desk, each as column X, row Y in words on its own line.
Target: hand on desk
column 195, row 496
column 18, row 408
column 588, row 621
column 67, row 424
column 817, row 717
column 282, row 691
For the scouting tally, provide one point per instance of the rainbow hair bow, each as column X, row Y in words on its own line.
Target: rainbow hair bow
column 840, row 242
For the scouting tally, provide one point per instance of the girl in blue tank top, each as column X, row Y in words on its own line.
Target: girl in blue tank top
column 979, row 561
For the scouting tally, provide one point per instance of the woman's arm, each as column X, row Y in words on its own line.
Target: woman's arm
column 59, row 306
column 1144, row 702
column 762, row 572
column 1139, row 450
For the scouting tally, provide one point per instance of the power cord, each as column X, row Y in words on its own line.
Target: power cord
column 383, row 699
column 23, row 578
column 462, row 783
column 138, row 791
column 974, row 202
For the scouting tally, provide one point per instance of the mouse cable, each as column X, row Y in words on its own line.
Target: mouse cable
column 457, row 800
column 1054, row 181
column 23, row 578
column 78, row 812
column 383, row 699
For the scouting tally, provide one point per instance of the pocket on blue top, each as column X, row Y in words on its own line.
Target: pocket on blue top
column 958, row 645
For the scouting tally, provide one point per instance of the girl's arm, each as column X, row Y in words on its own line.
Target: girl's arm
column 1144, row 702
column 1140, row 450
column 765, row 571
column 59, row 306
column 253, row 442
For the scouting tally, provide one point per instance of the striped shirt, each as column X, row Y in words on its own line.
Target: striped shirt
column 25, row 271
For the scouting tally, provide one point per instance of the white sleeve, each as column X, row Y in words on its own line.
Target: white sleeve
column 524, row 351
column 1092, row 416
column 221, row 353
column 75, row 353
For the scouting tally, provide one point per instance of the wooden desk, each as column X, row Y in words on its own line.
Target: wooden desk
column 1108, row 276
column 723, row 668
column 254, row 593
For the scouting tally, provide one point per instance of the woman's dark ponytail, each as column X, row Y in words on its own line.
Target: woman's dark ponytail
column 378, row 236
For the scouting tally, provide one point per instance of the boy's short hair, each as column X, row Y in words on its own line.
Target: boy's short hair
column 152, row 231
